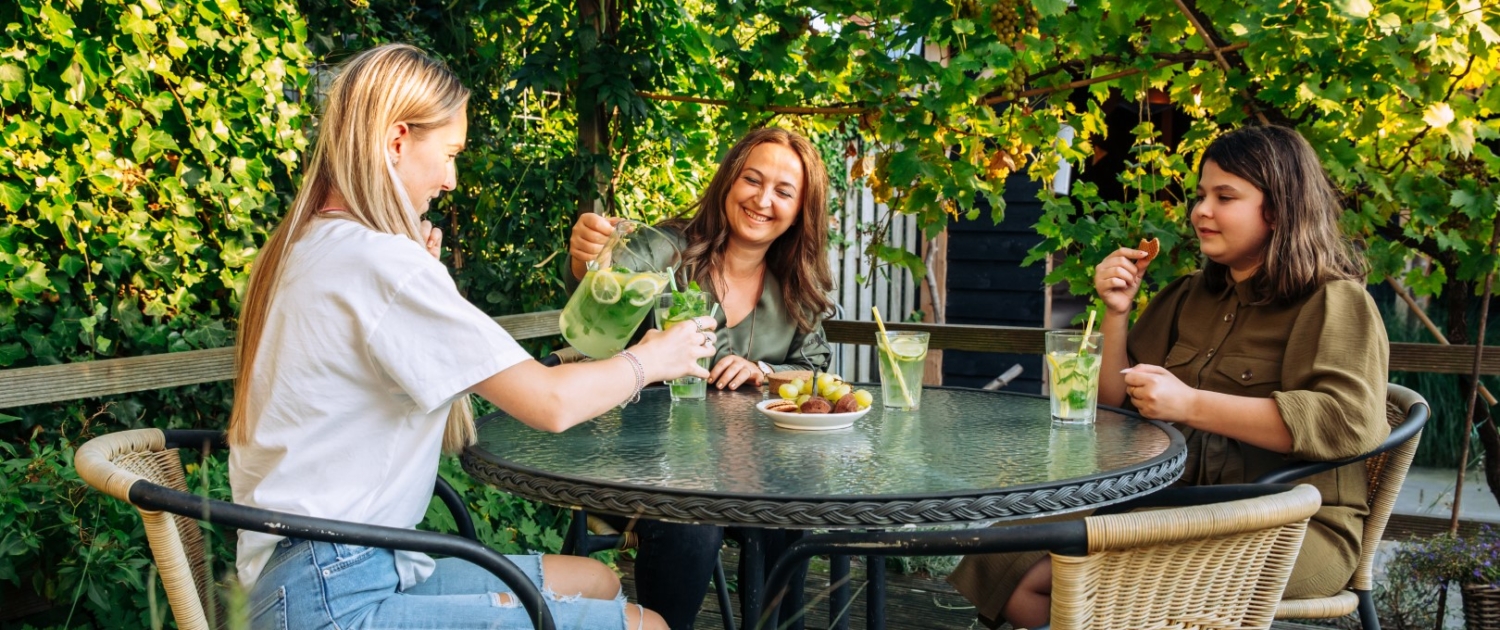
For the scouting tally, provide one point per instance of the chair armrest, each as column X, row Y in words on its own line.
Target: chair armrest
column 565, row 354
column 456, row 507
column 1298, row 470
column 1187, row 496
column 211, row 440
column 200, row 439
column 155, row 497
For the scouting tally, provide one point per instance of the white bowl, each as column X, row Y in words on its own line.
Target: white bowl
column 810, row 421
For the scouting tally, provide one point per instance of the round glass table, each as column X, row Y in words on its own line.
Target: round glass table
column 966, row 456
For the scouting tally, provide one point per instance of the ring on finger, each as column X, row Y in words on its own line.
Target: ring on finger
column 706, row 339
column 698, row 324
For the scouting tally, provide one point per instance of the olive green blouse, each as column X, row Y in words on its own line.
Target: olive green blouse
column 767, row 334
column 1323, row 359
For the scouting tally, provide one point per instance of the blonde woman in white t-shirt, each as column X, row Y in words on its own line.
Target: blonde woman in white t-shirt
column 356, row 355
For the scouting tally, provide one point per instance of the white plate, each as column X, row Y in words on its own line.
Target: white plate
column 810, row 421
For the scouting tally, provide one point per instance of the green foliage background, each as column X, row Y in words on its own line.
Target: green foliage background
column 149, row 145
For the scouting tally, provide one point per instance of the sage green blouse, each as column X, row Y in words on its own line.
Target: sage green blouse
column 767, row 334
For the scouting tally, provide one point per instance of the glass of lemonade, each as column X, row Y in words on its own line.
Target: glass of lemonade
column 613, row 297
column 902, row 357
column 680, row 306
column 1073, row 374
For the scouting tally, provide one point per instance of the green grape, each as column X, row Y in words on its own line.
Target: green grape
column 863, row 398
column 839, row 391
column 788, row 391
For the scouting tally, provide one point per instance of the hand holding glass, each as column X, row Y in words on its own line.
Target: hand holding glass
column 680, row 306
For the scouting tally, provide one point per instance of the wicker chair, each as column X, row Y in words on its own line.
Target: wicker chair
column 143, row 468
column 1216, row 557
column 1386, row 468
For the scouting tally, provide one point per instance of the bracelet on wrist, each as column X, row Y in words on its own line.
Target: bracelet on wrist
column 640, row 375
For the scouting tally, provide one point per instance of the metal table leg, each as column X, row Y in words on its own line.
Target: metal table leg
column 752, row 575
column 838, row 601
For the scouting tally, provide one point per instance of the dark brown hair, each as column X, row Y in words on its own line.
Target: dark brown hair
column 798, row 258
column 1306, row 248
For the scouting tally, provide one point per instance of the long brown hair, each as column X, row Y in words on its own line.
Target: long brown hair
column 798, row 258
column 373, row 91
column 1306, row 248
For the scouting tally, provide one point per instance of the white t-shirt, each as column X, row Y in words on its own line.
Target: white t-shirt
column 366, row 346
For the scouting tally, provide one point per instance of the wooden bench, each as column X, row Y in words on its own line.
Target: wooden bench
column 107, row 377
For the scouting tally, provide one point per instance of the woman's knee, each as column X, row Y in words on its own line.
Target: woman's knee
column 1031, row 603
column 571, row 575
column 643, row 618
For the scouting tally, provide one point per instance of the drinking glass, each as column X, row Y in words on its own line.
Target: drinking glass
column 902, row 356
column 680, row 306
column 1073, row 374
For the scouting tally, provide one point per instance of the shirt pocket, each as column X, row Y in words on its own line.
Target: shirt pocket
column 1180, row 354
column 1241, row 375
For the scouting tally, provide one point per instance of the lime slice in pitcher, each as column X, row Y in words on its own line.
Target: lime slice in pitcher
column 642, row 288
column 606, row 287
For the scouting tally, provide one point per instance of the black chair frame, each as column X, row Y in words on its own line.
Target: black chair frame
column 466, row 545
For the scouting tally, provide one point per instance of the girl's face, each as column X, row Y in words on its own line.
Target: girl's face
column 763, row 202
column 1232, row 229
column 425, row 164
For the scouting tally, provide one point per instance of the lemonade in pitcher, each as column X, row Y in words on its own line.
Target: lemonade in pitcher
column 607, row 307
column 614, row 295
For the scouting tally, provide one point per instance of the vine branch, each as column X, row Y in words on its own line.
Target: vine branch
column 1208, row 40
column 989, row 100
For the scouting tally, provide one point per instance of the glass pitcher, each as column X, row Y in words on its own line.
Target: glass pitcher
column 618, row 291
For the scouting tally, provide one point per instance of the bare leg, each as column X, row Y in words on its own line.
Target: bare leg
column 633, row 614
column 571, row 575
column 1031, row 603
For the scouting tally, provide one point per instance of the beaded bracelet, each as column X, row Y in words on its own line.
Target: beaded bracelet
column 640, row 375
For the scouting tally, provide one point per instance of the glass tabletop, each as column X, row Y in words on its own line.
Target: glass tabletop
column 962, row 441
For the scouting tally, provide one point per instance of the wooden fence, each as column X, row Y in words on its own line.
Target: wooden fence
column 891, row 288
column 92, row 379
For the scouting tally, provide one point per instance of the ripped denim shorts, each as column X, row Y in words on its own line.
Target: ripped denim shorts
column 310, row 585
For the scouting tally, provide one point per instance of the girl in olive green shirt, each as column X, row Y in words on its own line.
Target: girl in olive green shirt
column 1273, row 352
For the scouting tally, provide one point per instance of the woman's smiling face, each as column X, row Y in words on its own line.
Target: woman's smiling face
column 1230, row 222
column 766, row 196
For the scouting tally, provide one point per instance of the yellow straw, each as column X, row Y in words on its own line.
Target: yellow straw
column 885, row 346
column 1083, row 345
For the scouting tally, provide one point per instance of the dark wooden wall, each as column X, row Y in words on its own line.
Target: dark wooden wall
column 987, row 285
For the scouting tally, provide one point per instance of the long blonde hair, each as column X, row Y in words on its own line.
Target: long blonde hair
column 373, row 91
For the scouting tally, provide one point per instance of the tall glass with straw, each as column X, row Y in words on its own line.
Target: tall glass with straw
column 1073, row 361
column 902, row 359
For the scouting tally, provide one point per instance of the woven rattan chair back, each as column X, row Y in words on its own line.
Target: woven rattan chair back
column 112, row 464
column 1385, row 474
column 1222, row 565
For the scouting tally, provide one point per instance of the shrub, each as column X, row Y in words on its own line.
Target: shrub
column 1449, row 558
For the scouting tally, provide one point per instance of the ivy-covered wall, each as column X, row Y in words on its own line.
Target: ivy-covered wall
column 148, row 148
